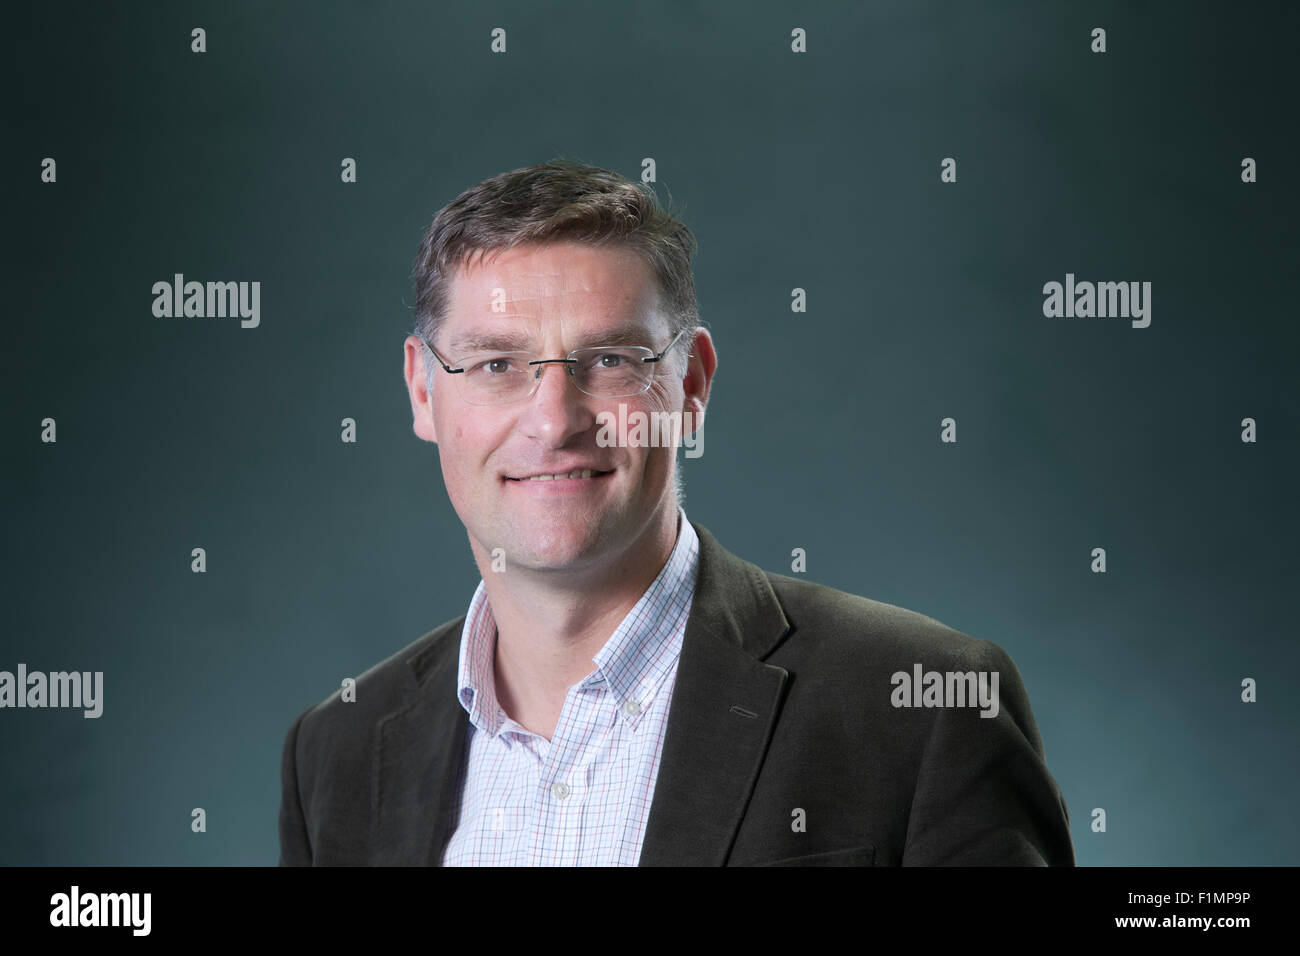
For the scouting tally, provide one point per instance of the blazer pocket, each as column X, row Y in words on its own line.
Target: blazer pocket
column 852, row 856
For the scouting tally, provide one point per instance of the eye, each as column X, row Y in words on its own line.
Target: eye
column 606, row 361
column 491, row 366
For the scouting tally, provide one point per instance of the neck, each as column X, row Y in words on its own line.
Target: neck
column 551, row 625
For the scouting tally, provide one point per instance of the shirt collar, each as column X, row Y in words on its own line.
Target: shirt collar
column 633, row 664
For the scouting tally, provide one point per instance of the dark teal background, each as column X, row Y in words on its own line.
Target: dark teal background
column 818, row 171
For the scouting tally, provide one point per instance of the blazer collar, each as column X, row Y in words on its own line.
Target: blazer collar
column 724, row 707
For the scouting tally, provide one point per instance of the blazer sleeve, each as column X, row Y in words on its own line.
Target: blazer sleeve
column 295, row 846
column 984, row 796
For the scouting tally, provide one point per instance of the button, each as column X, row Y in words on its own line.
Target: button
column 631, row 708
column 560, row 789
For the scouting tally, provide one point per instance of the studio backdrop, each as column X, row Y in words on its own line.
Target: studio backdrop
column 1003, row 296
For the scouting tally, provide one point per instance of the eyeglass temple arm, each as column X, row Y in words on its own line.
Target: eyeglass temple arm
column 666, row 347
column 445, row 366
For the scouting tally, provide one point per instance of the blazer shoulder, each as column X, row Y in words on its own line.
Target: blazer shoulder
column 854, row 623
column 382, row 689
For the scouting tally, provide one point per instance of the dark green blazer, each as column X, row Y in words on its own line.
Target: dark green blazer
column 783, row 745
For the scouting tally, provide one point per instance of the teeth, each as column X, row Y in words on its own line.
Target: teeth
column 584, row 473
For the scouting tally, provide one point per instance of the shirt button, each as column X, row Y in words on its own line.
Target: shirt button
column 631, row 708
column 560, row 789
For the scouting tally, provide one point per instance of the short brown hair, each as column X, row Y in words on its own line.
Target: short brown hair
column 557, row 201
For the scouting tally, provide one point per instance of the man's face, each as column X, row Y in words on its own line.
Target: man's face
column 550, row 299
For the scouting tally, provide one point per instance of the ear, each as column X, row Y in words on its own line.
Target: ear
column 698, row 379
column 417, row 360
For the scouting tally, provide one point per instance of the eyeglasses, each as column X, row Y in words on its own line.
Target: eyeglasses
column 500, row 378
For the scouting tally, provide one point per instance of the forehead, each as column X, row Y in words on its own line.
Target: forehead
column 582, row 289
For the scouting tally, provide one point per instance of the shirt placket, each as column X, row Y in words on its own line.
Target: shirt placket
column 561, row 791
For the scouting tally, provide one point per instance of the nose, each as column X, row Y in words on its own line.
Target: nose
column 557, row 409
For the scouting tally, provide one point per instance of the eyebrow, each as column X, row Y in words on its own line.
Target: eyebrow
column 472, row 341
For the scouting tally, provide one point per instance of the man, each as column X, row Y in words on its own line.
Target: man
column 622, row 690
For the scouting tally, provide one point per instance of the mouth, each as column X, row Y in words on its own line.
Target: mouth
column 578, row 474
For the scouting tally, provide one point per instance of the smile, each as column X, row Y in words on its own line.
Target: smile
column 580, row 473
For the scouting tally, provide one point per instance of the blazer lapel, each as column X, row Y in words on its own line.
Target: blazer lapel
column 724, row 707
column 418, row 752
